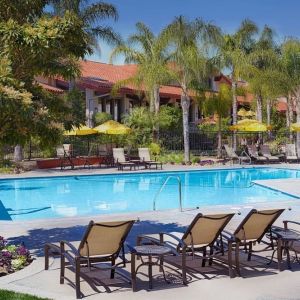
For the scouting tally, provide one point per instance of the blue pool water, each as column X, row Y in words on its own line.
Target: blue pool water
column 69, row 196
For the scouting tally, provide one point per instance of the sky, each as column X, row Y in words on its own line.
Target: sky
column 281, row 15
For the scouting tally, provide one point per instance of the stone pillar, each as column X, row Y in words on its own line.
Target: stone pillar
column 89, row 106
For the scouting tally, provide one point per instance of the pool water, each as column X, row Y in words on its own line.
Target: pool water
column 70, row 196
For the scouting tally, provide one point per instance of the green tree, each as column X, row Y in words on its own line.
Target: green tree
column 91, row 13
column 235, row 48
column 30, row 48
column 290, row 60
column 149, row 53
column 189, row 44
column 219, row 104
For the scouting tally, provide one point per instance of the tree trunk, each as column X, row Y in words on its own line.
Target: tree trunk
column 18, row 153
column 219, row 154
column 269, row 105
column 72, row 84
column 259, row 108
column 297, row 105
column 289, row 114
column 185, row 105
column 234, row 113
column 156, row 101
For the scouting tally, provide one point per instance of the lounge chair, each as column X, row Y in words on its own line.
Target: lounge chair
column 101, row 243
column 290, row 153
column 120, row 160
column 203, row 232
column 253, row 153
column 265, row 151
column 145, row 158
column 64, row 154
column 250, row 231
column 233, row 156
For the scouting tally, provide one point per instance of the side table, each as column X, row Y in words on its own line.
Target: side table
column 154, row 255
column 285, row 239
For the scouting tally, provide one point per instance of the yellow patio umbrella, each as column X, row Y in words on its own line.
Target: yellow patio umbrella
column 112, row 127
column 81, row 130
column 250, row 113
column 250, row 126
column 295, row 127
column 242, row 112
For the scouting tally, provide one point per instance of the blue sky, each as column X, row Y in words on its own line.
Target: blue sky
column 282, row 16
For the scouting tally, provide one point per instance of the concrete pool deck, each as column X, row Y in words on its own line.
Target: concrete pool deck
column 262, row 283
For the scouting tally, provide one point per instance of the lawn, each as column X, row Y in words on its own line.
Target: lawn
column 9, row 295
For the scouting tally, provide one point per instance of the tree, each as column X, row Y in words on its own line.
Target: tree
column 149, row 53
column 90, row 13
column 29, row 45
column 189, row 43
column 290, row 60
column 219, row 103
column 262, row 70
column 234, row 50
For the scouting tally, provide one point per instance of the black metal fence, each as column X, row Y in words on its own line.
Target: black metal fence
column 201, row 143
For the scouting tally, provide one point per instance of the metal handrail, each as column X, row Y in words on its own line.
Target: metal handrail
column 162, row 187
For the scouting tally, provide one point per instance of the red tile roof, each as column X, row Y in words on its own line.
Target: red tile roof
column 51, row 88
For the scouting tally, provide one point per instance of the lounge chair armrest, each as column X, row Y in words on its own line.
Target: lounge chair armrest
column 73, row 249
column 180, row 241
column 149, row 239
column 286, row 222
column 228, row 235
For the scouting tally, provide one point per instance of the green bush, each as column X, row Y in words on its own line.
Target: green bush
column 101, row 117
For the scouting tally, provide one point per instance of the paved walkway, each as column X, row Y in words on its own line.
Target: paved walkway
column 259, row 282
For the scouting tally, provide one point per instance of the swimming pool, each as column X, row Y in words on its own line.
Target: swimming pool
column 70, row 196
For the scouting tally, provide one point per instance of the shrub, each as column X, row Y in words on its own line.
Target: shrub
column 101, row 117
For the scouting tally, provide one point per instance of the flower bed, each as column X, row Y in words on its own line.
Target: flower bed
column 12, row 257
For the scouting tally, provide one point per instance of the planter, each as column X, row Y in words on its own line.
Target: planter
column 77, row 161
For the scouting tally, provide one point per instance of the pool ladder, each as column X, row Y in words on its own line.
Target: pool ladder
column 162, row 187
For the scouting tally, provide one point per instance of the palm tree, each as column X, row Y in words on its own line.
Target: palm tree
column 149, row 53
column 219, row 104
column 290, row 60
column 262, row 70
column 91, row 13
column 235, row 48
column 189, row 44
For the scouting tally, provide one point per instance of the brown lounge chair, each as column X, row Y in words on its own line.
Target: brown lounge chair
column 64, row 154
column 145, row 158
column 250, row 231
column 253, row 153
column 102, row 242
column 265, row 151
column 203, row 232
column 290, row 153
column 233, row 156
column 120, row 160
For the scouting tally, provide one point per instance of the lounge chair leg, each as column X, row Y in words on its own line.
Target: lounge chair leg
column 211, row 253
column 279, row 254
column 184, row 281
column 46, row 257
column 62, row 263
column 204, row 255
column 133, row 273
column 77, row 278
column 237, row 258
column 230, row 259
column 250, row 252
column 112, row 272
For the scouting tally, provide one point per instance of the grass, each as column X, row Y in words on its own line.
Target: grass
column 9, row 295
column 6, row 170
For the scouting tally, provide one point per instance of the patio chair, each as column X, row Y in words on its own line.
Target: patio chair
column 120, row 160
column 254, row 155
column 202, row 233
column 290, row 153
column 64, row 154
column 250, row 231
column 233, row 156
column 101, row 243
column 265, row 151
column 145, row 158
